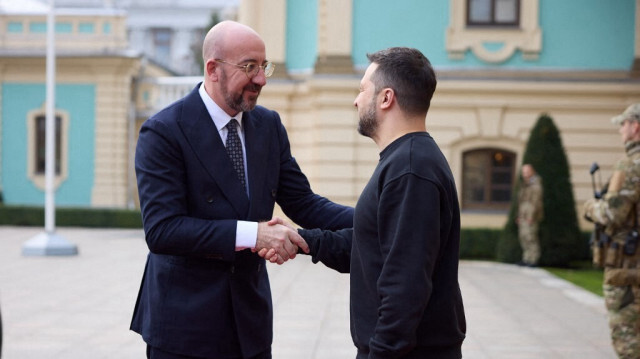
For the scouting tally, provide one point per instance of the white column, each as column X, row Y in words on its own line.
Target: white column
column 334, row 37
column 269, row 19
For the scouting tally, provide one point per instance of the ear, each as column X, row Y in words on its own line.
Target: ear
column 211, row 70
column 388, row 98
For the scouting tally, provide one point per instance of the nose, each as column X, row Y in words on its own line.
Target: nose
column 259, row 78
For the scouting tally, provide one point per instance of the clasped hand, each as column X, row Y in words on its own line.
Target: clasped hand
column 278, row 241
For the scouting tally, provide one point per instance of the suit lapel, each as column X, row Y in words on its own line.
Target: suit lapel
column 202, row 135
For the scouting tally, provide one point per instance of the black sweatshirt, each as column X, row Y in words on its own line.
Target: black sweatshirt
column 402, row 254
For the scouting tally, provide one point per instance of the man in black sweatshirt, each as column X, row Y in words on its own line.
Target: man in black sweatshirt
column 403, row 250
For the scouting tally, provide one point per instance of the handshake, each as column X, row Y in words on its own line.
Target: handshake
column 278, row 241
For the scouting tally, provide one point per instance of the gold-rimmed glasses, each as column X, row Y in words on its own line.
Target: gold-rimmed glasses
column 251, row 69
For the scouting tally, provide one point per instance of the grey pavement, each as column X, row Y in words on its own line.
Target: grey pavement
column 80, row 306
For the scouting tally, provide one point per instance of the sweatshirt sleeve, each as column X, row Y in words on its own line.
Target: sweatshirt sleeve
column 333, row 249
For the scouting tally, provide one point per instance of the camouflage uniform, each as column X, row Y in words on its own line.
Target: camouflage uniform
column 530, row 214
column 618, row 212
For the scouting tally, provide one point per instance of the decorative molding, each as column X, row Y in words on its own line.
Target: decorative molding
column 334, row 64
column 494, row 44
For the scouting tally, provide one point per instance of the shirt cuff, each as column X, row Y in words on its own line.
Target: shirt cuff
column 246, row 235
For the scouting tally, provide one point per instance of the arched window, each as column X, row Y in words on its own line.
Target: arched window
column 487, row 179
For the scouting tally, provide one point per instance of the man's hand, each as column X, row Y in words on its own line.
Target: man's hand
column 280, row 240
column 270, row 255
column 300, row 242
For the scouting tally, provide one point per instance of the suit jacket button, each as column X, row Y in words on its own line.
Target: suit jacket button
column 232, row 269
column 274, row 193
column 209, row 199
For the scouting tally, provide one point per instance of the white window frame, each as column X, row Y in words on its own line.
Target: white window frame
column 38, row 179
column 526, row 38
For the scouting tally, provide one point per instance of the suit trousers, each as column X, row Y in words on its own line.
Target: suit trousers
column 155, row 353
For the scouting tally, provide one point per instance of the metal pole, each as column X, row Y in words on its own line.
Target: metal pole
column 50, row 127
column 49, row 243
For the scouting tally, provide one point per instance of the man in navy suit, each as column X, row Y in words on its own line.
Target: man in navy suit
column 210, row 168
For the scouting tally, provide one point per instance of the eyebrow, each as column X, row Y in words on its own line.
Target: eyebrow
column 253, row 60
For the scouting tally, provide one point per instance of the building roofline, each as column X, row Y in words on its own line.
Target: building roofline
column 34, row 7
column 129, row 53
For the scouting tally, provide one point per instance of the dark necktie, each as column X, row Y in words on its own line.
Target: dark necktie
column 234, row 149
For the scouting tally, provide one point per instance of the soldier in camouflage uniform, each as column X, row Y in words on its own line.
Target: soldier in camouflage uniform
column 530, row 214
column 617, row 211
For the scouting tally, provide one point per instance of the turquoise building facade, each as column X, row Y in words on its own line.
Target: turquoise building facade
column 576, row 34
column 500, row 65
column 576, row 60
column 95, row 70
column 18, row 100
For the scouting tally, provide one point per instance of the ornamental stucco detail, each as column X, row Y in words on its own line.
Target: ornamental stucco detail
column 494, row 45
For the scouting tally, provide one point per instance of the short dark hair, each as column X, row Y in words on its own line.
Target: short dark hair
column 409, row 73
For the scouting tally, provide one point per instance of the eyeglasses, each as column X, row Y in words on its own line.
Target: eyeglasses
column 251, row 69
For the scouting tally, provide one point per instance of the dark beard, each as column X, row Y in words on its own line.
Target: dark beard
column 368, row 125
column 237, row 102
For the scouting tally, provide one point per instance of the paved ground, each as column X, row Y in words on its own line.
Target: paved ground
column 80, row 306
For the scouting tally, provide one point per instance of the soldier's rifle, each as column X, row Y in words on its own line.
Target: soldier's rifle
column 598, row 237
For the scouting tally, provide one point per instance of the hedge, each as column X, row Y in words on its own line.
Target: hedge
column 482, row 243
column 475, row 243
column 71, row 217
column 479, row 243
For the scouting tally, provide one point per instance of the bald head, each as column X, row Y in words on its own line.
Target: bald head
column 228, row 49
column 224, row 36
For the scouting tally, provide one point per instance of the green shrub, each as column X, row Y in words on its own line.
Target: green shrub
column 508, row 249
column 479, row 243
column 71, row 217
column 583, row 252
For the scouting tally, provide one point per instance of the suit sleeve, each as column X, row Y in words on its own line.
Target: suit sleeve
column 409, row 229
column 162, row 177
column 298, row 201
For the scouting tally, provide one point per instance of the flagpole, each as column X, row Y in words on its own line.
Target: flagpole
column 50, row 158
column 48, row 242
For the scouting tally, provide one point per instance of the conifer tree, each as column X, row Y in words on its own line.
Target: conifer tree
column 558, row 232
